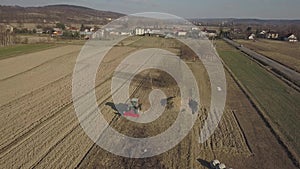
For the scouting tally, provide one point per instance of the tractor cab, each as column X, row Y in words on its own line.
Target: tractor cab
column 133, row 108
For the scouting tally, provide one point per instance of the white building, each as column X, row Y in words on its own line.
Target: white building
column 182, row 33
column 139, row 31
column 125, row 33
column 195, row 29
column 292, row 38
column 155, row 31
column 272, row 35
column 251, row 37
column 263, row 32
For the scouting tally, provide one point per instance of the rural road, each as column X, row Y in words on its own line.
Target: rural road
column 278, row 68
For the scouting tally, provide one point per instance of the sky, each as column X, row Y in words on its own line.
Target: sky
column 260, row 9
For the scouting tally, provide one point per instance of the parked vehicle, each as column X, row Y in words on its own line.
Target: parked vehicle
column 214, row 164
column 221, row 166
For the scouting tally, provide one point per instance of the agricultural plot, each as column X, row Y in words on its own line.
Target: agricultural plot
column 40, row 129
column 10, row 51
column 228, row 138
column 279, row 101
column 283, row 52
column 34, row 71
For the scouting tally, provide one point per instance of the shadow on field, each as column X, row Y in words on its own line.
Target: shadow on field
column 119, row 108
column 204, row 163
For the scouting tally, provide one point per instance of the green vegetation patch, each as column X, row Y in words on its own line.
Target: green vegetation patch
column 11, row 51
column 278, row 100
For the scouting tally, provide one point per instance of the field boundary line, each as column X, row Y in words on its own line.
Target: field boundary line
column 242, row 132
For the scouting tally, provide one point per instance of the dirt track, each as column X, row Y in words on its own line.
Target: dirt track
column 39, row 127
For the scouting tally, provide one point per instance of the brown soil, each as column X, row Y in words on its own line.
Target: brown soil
column 39, row 127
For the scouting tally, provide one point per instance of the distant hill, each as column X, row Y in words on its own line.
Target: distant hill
column 71, row 14
column 246, row 21
column 68, row 14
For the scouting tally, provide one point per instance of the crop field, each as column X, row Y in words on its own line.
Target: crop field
column 11, row 51
column 40, row 129
column 279, row 101
column 228, row 138
column 282, row 52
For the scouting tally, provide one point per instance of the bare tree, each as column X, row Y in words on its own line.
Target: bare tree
column 6, row 36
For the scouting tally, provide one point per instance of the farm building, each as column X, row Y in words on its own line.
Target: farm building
column 292, row 38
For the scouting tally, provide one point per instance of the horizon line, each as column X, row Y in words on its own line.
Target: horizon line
column 188, row 18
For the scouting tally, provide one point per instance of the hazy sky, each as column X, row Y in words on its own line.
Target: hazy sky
column 288, row 9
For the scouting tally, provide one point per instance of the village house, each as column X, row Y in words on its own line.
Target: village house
column 291, row 38
column 262, row 34
column 252, row 37
column 57, row 32
column 73, row 29
column 209, row 33
column 181, row 33
column 272, row 35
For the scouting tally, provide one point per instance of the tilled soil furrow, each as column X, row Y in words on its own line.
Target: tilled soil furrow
column 40, row 65
column 47, row 103
column 82, row 135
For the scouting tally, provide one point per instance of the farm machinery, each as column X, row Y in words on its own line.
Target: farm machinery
column 133, row 108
